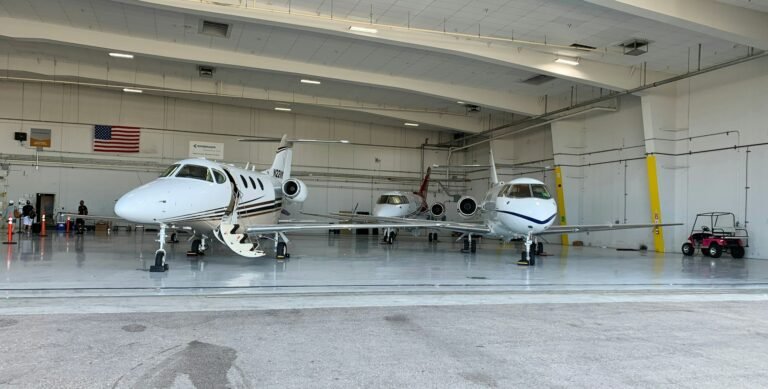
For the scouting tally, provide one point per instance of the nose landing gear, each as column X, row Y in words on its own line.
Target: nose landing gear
column 532, row 248
column 160, row 264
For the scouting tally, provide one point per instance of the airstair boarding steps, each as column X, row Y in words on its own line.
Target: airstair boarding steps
column 239, row 243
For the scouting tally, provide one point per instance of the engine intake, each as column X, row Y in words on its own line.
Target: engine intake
column 467, row 206
column 437, row 209
column 295, row 190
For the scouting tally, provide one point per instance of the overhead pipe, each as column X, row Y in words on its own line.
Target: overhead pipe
column 656, row 84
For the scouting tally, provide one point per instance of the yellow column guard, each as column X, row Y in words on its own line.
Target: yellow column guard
column 560, row 202
column 653, row 194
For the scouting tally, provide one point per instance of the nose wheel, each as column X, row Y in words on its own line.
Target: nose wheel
column 528, row 256
column 160, row 264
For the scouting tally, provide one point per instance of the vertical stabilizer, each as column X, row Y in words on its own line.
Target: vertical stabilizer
column 281, row 167
column 494, row 176
column 424, row 184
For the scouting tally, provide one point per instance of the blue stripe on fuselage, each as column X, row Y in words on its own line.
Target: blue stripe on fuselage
column 545, row 221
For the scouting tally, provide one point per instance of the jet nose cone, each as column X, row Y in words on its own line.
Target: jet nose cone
column 135, row 206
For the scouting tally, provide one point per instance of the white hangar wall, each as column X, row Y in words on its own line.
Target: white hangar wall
column 339, row 176
column 709, row 135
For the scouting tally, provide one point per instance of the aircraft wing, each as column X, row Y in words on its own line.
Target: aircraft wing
column 600, row 227
column 74, row 216
column 367, row 218
column 411, row 223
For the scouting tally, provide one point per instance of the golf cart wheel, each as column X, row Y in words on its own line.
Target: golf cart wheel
column 715, row 250
column 737, row 252
column 688, row 249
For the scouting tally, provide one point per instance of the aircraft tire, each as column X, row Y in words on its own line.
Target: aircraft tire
column 196, row 246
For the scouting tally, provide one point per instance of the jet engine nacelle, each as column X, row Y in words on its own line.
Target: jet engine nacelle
column 437, row 209
column 295, row 190
column 467, row 206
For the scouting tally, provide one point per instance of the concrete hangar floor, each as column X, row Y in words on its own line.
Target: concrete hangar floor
column 347, row 311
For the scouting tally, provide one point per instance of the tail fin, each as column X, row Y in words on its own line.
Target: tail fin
column 424, row 184
column 494, row 176
column 281, row 167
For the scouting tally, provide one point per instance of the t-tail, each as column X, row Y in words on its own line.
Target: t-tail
column 281, row 167
column 424, row 184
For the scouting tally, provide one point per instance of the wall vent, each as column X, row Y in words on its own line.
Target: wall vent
column 206, row 71
column 538, row 79
column 634, row 47
column 216, row 29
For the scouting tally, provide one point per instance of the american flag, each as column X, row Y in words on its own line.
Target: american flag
column 116, row 139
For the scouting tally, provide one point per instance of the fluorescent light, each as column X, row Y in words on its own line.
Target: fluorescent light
column 282, row 109
column 460, row 102
column 313, row 82
column 411, row 124
column 121, row 55
column 567, row 61
column 363, row 29
column 344, row 141
column 132, row 90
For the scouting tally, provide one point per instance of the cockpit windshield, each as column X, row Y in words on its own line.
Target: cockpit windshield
column 196, row 172
column 392, row 199
column 519, row 191
column 168, row 171
column 540, row 192
column 524, row 191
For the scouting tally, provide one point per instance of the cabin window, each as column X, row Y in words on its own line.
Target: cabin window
column 219, row 176
column 169, row 171
column 253, row 183
column 196, row 172
column 260, row 184
column 540, row 192
column 245, row 183
column 519, row 191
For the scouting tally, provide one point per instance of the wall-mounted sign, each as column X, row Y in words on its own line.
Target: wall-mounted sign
column 206, row 150
column 40, row 137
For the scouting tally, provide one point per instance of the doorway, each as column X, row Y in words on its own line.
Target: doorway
column 44, row 205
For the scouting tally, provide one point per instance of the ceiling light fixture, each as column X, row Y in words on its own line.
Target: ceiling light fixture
column 567, row 61
column 282, row 109
column 460, row 102
column 363, row 29
column 121, row 55
column 313, row 82
column 411, row 124
column 344, row 141
column 132, row 90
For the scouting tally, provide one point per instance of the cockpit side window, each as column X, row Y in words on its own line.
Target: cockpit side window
column 169, row 170
column 219, row 176
column 392, row 200
column 540, row 192
column 519, row 191
column 196, row 172
column 503, row 190
column 382, row 199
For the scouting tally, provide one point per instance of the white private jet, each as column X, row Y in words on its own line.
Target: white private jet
column 203, row 196
column 522, row 208
column 407, row 205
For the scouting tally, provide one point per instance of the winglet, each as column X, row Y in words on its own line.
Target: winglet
column 424, row 184
column 494, row 176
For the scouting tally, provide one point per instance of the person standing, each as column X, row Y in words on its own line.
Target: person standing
column 10, row 212
column 27, row 214
column 79, row 222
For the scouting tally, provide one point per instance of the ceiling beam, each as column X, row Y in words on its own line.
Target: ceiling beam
column 728, row 22
column 537, row 59
column 38, row 31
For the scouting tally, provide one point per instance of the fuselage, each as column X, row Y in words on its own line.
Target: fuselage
column 518, row 207
column 197, row 193
column 400, row 204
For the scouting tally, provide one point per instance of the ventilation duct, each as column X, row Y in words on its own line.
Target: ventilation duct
column 538, row 79
column 635, row 47
column 216, row 29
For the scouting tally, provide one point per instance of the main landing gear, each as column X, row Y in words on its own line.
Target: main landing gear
column 433, row 236
column 160, row 265
column 470, row 244
column 281, row 246
column 198, row 247
column 533, row 248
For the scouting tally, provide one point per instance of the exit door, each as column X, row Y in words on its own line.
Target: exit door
column 44, row 205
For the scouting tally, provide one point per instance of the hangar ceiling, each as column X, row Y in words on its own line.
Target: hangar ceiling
column 424, row 57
